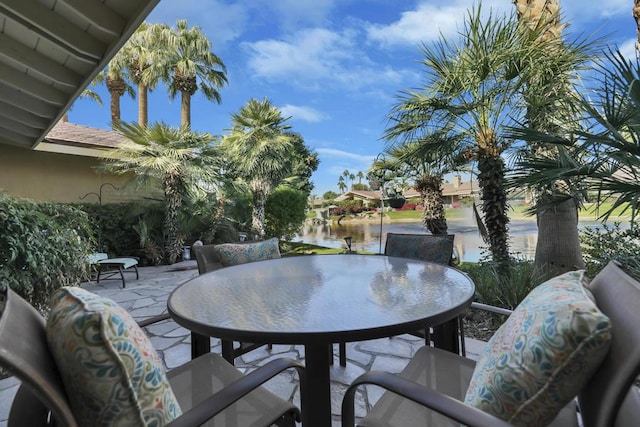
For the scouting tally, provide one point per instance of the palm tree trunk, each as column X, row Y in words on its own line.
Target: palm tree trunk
column 185, row 109
column 173, row 201
column 116, row 88
column 433, row 217
column 491, row 178
column 258, row 214
column 558, row 247
column 143, row 104
column 636, row 16
column 115, row 109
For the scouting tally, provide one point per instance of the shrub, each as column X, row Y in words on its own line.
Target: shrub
column 133, row 229
column 408, row 207
column 285, row 212
column 601, row 245
column 42, row 248
column 490, row 289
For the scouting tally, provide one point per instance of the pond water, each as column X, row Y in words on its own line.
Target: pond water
column 523, row 236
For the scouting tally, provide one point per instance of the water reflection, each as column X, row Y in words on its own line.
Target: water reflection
column 468, row 243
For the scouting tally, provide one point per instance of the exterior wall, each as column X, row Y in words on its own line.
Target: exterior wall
column 57, row 177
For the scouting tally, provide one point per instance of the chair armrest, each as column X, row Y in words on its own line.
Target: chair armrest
column 424, row 396
column 217, row 402
column 491, row 308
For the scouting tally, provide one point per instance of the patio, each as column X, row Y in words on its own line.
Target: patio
column 148, row 295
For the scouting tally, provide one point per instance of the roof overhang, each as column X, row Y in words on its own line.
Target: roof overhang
column 50, row 51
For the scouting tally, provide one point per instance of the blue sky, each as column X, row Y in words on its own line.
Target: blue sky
column 334, row 66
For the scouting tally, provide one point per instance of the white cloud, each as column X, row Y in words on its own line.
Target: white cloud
column 222, row 22
column 428, row 21
column 299, row 12
column 584, row 11
column 317, row 57
column 345, row 155
column 306, row 114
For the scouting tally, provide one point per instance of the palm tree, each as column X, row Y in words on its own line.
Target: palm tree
column 600, row 150
column 636, row 16
column 346, row 173
column 188, row 64
column 352, row 178
column 176, row 158
column 141, row 51
column 549, row 86
column 259, row 148
column 360, row 176
column 425, row 156
column 342, row 187
column 469, row 91
column 114, row 76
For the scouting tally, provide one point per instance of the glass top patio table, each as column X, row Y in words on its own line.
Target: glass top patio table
column 319, row 300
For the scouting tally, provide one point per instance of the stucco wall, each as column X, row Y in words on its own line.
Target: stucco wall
column 46, row 176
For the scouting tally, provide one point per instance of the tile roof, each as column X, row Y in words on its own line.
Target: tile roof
column 82, row 136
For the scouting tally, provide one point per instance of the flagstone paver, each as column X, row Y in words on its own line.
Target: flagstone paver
column 148, row 295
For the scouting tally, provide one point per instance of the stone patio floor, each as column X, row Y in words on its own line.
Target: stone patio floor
column 148, row 295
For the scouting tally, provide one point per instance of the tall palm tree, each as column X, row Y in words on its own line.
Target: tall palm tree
column 188, row 64
column 636, row 17
column 360, row 176
column 258, row 147
column 600, row 150
column 176, row 159
column 549, row 86
column 141, row 51
column 352, row 178
column 342, row 187
column 114, row 77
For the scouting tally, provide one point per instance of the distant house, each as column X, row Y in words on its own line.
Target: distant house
column 63, row 168
column 369, row 198
column 452, row 193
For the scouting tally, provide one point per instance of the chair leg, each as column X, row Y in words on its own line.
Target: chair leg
column 343, row 353
column 287, row 420
column 463, row 348
column 122, row 276
column 227, row 351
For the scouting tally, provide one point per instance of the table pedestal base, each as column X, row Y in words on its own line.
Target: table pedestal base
column 316, row 401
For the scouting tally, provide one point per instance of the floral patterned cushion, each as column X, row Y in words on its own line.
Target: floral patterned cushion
column 427, row 247
column 111, row 372
column 542, row 355
column 234, row 253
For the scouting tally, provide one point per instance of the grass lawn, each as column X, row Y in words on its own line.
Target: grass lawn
column 301, row 248
column 588, row 212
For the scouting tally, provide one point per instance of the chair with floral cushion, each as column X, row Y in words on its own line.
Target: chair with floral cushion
column 213, row 257
column 568, row 355
column 435, row 248
column 91, row 364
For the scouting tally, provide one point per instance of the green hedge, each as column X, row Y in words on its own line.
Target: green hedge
column 43, row 246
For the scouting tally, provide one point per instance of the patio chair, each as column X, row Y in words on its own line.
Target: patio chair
column 565, row 357
column 113, row 266
column 434, row 248
column 52, row 379
column 212, row 257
